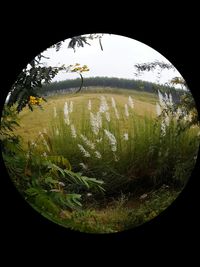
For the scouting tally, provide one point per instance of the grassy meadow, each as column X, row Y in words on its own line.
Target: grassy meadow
column 33, row 122
column 103, row 160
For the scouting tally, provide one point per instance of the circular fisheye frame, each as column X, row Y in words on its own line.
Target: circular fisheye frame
column 100, row 133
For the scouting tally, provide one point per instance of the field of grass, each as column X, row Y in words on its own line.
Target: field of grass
column 109, row 148
column 33, row 122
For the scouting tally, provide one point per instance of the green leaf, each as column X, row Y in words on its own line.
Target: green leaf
column 60, row 161
column 84, row 181
column 33, row 191
column 66, row 200
column 50, row 180
column 56, row 170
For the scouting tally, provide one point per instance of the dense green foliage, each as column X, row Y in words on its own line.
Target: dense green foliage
column 47, row 182
column 9, row 140
column 31, row 78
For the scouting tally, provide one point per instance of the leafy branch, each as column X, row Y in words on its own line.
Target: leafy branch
column 36, row 74
column 79, row 70
column 80, row 41
column 151, row 66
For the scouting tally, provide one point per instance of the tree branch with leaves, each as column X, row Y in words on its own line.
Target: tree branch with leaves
column 36, row 74
column 186, row 103
column 79, row 70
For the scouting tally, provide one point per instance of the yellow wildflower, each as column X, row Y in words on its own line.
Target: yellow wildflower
column 78, row 68
column 35, row 100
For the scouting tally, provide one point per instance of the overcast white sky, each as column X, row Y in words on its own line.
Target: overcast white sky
column 116, row 60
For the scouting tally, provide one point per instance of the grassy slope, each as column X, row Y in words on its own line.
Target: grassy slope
column 33, row 122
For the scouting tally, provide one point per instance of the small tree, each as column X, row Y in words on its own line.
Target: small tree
column 36, row 74
column 186, row 103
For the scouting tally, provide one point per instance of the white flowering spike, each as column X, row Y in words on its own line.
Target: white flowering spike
column 66, row 114
column 130, row 102
column 89, row 105
column 167, row 120
column 85, row 152
column 71, row 107
column 73, row 131
column 158, row 109
column 57, row 131
column 107, row 116
column 98, row 154
column 93, row 123
column 179, row 112
column 113, row 102
column 54, row 112
column 166, row 97
column 66, row 109
column 126, row 110
column 87, row 142
column 96, row 122
column 83, row 166
column 188, row 117
column 99, row 119
column 126, row 136
column 104, row 105
column 116, row 113
column 99, row 140
column 44, row 154
column 161, row 99
column 170, row 100
column 112, row 140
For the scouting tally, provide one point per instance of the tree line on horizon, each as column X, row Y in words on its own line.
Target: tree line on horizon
column 114, row 82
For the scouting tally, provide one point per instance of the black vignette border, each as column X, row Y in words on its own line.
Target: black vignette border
column 18, row 49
